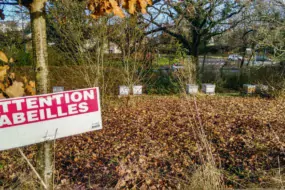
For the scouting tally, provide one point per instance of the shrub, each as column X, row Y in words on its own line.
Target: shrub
column 163, row 82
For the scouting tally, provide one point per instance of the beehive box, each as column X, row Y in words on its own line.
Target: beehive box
column 137, row 90
column 191, row 89
column 124, row 90
column 249, row 88
column 57, row 89
column 208, row 89
column 262, row 89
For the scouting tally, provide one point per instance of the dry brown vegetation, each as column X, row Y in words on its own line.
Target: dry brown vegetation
column 156, row 142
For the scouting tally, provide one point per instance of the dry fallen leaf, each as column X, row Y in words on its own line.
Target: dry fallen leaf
column 3, row 72
column 2, row 87
column 16, row 90
column 25, row 80
column 2, row 96
column 12, row 76
column 3, row 57
column 31, row 88
column 32, row 84
column 11, row 60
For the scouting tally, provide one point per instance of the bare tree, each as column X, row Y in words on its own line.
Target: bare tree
column 194, row 22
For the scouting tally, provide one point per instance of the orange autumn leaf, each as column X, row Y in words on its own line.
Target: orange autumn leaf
column 143, row 5
column 3, row 57
column 12, row 76
column 31, row 88
column 3, row 72
column 101, row 7
column 116, row 9
column 131, row 6
column 32, row 84
column 25, row 80
column 2, row 87
column 11, row 60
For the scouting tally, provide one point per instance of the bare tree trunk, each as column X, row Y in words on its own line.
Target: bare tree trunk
column 244, row 54
column 39, row 39
column 195, row 53
column 204, row 61
column 195, row 61
column 40, row 58
column 195, row 70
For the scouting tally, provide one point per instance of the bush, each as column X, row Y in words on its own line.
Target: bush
column 234, row 78
column 163, row 82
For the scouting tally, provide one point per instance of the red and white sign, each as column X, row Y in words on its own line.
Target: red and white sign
column 34, row 119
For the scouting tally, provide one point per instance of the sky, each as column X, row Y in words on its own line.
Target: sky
column 13, row 13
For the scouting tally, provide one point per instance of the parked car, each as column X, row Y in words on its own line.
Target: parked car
column 262, row 58
column 234, row 57
column 164, row 70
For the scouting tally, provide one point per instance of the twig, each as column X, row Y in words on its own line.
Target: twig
column 279, row 172
column 32, row 167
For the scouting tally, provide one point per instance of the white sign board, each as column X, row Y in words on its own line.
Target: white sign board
column 29, row 120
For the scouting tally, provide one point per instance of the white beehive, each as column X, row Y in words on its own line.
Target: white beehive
column 137, row 90
column 249, row 88
column 208, row 88
column 262, row 89
column 124, row 90
column 191, row 89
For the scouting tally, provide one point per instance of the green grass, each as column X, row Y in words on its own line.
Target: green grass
column 166, row 60
column 162, row 61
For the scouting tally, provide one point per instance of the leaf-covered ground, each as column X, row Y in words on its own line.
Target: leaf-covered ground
column 152, row 142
